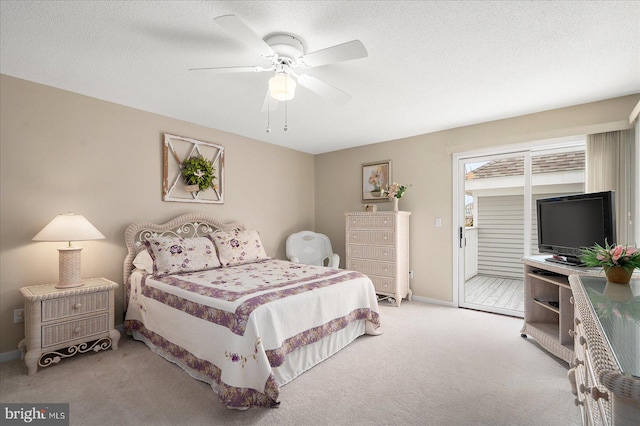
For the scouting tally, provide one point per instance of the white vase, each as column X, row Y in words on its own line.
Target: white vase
column 395, row 204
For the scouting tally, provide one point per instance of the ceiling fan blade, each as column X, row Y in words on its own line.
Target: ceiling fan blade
column 269, row 103
column 225, row 70
column 240, row 30
column 342, row 52
column 324, row 89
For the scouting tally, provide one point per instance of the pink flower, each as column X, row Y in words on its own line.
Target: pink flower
column 616, row 253
column 601, row 257
column 631, row 250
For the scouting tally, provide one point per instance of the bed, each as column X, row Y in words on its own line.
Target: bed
column 205, row 296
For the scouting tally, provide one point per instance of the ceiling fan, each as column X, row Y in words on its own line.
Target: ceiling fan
column 285, row 53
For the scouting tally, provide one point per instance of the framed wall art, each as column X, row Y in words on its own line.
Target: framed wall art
column 193, row 171
column 376, row 176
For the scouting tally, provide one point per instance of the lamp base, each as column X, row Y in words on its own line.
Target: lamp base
column 69, row 267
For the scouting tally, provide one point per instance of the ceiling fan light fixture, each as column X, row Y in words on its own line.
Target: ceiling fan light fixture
column 282, row 87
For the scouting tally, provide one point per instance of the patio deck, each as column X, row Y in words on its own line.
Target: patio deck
column 506, row 293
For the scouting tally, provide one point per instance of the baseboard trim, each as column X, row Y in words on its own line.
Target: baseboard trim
column 9, row 356
column 433, row 301
column 13, row 355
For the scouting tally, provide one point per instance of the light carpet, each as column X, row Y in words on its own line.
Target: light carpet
column 433, row 365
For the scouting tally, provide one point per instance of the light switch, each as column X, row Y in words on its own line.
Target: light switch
column 438, row 222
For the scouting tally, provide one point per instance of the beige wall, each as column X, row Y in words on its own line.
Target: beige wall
column 425, row 161
column 63, row 152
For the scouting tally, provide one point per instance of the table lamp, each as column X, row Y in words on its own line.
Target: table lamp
column 69, row 227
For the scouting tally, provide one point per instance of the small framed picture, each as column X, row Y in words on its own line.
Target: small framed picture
column 375, row 178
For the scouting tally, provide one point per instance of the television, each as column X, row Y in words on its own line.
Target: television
column 566, row 224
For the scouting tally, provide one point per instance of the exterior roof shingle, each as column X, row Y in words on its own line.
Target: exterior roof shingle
column 550, row 163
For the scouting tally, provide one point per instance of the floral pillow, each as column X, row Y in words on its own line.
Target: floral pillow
column 238, row 247
column 143, row 261
column 173, row 255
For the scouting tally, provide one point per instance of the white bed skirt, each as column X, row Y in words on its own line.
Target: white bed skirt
column 296, row 362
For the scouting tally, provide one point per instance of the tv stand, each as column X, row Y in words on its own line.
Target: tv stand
column 551, row 324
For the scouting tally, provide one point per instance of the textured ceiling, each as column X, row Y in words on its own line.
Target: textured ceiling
column 431, row 65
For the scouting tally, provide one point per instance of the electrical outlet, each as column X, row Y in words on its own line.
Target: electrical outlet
column 410, row 274
column 18, row 315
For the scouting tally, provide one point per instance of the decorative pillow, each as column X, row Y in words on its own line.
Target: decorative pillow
column 173, row 255
column 143, row 261
column 238, row 247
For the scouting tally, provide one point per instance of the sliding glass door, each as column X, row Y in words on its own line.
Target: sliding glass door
column 495, row 197
column 492, row 238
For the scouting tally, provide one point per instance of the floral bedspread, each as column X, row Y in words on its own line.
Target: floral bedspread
column 232, row 326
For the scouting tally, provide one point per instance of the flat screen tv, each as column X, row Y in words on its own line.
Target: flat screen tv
column 568, row 223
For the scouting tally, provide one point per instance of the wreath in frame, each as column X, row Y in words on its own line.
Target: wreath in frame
column 199, row 171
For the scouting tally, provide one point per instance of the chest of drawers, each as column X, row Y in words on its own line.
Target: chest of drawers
column 377, row 244
column 605, row 373
column 61, row 323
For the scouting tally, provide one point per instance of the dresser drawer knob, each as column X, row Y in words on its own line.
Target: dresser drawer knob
column 577, row 321
column 596, row 394
column 571, row 375
column 77, row 330
column 577, row 402
column 582, row 341
column 77, row 305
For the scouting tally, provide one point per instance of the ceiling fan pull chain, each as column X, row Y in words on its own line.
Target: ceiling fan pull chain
column 286, row 102
column 285, row 116
column 268, row 116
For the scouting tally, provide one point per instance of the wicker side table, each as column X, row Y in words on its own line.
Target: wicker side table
column 60, row 323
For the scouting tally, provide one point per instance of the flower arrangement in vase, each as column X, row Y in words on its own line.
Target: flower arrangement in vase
column 618, row 261
column 394, row 192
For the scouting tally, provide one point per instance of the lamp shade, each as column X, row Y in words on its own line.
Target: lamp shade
column 282, row 87
column 69, row 227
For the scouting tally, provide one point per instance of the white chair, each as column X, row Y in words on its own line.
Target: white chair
column 311, row 248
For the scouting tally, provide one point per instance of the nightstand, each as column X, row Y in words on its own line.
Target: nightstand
column 60, row 323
